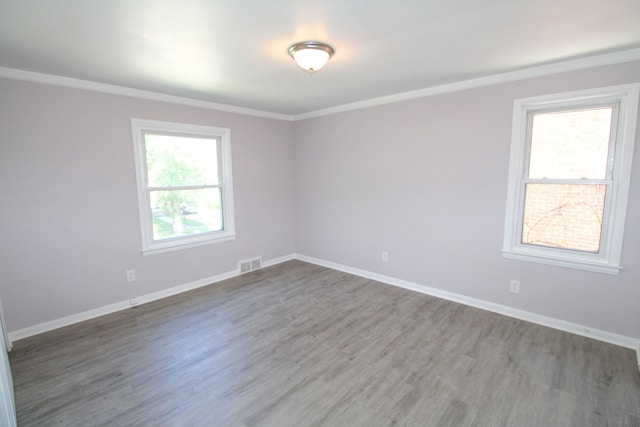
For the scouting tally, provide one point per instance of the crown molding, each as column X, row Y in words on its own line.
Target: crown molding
column 30, row 76
column 527, row 73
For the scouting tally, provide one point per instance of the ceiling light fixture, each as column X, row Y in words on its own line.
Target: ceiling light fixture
column 311, row 56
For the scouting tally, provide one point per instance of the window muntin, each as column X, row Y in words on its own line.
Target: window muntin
column 184, row 184
column 569, row 177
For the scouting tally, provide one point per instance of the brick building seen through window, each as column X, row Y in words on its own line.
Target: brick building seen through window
column 566, row 187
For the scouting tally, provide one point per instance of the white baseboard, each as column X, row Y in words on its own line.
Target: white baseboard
column 551, row 322
column 67, row 320
column 563, row 325
column 280, row 260
column 123, row 305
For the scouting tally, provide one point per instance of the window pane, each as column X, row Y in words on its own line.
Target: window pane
column 570, row 144
column 564, row 216
column 179, row 213
column 181, row 160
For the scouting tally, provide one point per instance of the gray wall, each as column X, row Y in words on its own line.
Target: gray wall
column 426, row 180
column 69, row 215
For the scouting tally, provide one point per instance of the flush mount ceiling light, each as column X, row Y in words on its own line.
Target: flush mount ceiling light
column 311, row 56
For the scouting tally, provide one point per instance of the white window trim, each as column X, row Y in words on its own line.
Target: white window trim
column 608, row 260
column 151, row 247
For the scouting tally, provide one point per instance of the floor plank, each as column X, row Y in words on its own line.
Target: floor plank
column 302, row 345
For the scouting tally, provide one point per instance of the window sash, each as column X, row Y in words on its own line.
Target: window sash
column 583, row 181
column 615, row 107
column 209, row 221
column 218, row 145
column 605, row 214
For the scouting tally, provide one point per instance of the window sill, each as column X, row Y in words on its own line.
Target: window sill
column 180, row 245
column 575, row 263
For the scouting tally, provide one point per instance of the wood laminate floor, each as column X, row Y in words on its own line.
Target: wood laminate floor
column 302, row 345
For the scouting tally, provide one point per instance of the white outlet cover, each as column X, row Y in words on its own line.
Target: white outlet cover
column 514, row 287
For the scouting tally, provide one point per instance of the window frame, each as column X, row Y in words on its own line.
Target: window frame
column 223, row 135
column 623, row 132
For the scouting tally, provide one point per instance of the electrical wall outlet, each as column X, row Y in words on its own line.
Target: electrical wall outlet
column 131, row 275
column 385, row 256
column 514, row 286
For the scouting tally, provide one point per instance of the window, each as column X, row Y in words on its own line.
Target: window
column 184, row 184
column 569, row 178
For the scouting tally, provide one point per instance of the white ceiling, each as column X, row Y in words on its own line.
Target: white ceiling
column 234, row 52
